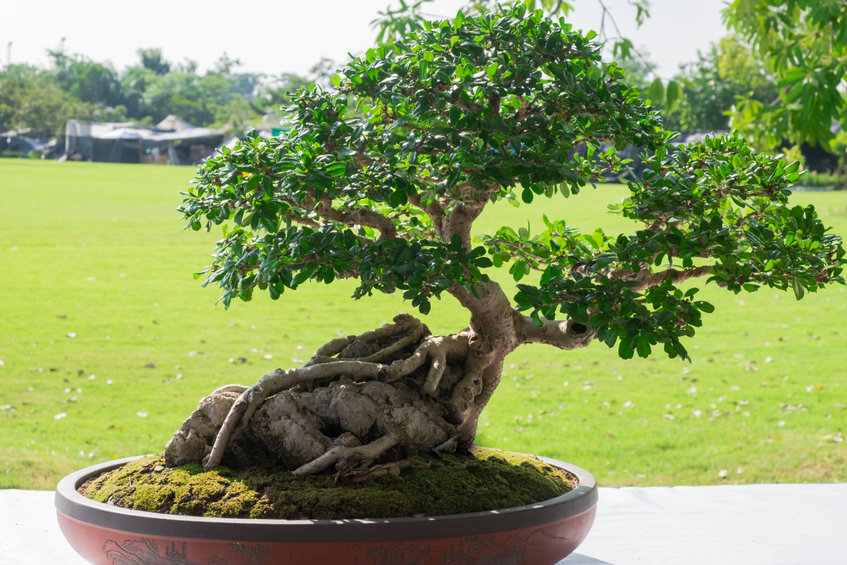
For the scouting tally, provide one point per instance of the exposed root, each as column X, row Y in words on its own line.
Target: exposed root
column 346, row 457
column 230, row 388
column 448, row 446
column 466, row 391
column 360, row 347
column 362, row 403
column 310, row 429
column 392, row 469
column 236, row 420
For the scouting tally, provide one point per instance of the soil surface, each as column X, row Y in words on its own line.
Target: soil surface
column 486, row 479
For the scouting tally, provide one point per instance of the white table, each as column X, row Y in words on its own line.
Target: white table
column 726, row 525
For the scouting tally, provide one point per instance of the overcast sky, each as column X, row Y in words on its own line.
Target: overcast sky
column 276, row 36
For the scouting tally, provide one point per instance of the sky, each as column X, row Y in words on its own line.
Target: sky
column 287, row 36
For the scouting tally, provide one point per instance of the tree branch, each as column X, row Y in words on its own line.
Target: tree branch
column 386, row 227
column 564, row 335
column 459, row 220
column 434, row 212
column 646, row 278
column 344, row 455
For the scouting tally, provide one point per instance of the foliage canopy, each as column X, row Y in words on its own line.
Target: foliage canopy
column 381, row 179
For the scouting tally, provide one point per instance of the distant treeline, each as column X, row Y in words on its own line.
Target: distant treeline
column 38, row 101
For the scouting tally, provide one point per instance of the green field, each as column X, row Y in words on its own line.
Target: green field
column 107, row 342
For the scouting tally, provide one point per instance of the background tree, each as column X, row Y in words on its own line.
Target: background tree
column 152, row 60
column 804, row 43
column 86, row 80
column 215, row 98
column 134, row 84
column 728, row 74
column 31, row 100
column 382, row 180
column 74, row 87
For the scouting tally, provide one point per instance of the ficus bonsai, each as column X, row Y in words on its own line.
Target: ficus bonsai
column 381, row 179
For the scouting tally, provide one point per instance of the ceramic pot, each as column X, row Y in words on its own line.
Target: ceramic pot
column 537, row 534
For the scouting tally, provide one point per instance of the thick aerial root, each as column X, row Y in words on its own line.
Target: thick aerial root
column 467, row 390
column 273, row 383
column 345, row 457
column 382, row 396
column 359, row 347
column 356, row 357
column 236, row 420
column 191, row 441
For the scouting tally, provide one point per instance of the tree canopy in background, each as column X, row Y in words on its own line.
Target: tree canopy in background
column 40, row 101
column 711, row 86
column 804, row 44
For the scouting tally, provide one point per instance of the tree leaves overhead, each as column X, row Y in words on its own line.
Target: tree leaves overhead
column 418, row 136
column 805, row 43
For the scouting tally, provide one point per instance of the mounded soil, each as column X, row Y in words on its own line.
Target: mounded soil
column 486, row 479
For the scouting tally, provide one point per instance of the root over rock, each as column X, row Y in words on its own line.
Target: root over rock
column 378, row 397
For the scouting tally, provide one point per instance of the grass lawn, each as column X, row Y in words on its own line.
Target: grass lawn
column 107, row 342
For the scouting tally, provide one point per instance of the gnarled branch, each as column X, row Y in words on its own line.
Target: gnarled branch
column 386, row 227
column 646, row 278
column 562, row 334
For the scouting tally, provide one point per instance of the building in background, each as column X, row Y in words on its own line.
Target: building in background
column 172, row 141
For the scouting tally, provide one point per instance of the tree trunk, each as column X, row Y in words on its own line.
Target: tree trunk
column 371, row 399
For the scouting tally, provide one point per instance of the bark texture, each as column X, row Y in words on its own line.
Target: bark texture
column 363, row 404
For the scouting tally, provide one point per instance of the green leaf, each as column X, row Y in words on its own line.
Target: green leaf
column 642, row 345
column 673, row 95
column 799, row 291
column 625, row 349
column 704, row 306
column 518, row 270
column 491, row 70
column 337, row 169
column 657, row 91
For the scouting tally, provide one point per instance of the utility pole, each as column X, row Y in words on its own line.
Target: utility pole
column 9, row 54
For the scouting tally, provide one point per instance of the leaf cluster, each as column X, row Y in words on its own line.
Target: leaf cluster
column 714, row 209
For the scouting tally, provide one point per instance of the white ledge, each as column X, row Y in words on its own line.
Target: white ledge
column 743, row 525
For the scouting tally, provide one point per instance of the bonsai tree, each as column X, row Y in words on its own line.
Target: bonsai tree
column 381, row 179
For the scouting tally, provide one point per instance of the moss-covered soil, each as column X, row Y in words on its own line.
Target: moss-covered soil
column 486, row 480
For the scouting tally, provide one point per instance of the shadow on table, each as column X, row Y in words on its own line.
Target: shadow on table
column 579, row 559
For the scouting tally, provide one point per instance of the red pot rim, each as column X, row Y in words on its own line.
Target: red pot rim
column 72, row 504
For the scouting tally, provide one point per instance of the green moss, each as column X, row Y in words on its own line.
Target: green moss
column 485, row 480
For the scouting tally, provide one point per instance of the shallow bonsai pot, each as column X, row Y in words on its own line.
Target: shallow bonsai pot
column 538, row 534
